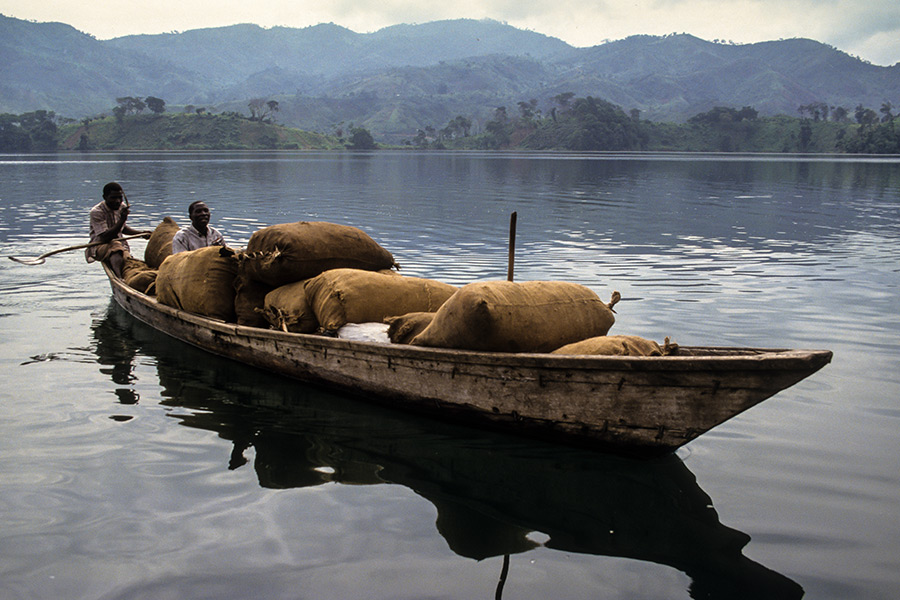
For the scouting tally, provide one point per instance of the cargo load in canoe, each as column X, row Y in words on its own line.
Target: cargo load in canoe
column 342, row 296
column 402, row 329
column 619, row 345
column 290, row 252
column 159, row 246
column 249, row 301
column 138, row 275
column 286, row 308
column 199, row 281
column 503, row 316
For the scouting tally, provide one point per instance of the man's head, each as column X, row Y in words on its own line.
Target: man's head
column 113, row 195
column 199, row 214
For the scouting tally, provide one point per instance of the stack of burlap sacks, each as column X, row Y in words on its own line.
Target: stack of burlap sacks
column 310, row 277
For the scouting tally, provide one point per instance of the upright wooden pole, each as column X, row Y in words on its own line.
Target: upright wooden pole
column 512, row 246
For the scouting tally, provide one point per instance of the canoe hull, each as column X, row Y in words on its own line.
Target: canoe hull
column 639, row 405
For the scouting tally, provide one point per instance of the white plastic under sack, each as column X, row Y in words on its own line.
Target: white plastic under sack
column 365, row 332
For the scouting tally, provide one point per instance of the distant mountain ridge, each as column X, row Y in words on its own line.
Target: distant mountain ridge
column 328, row 50
column 52, row 66
column 681, row 75
column 405, row 77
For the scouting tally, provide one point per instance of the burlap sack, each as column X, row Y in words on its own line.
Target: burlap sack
column 132, row 266
column 144, row 282
column 159, row 246
column 404, row 328
column 138, row 275
column 249, row 301
column 286, row 308
column 342, row 296
column 503, row 316
column 292, row 252
column 617, row 345
column 199, row 281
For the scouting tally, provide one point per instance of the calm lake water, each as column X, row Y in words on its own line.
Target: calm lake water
column 134, row 466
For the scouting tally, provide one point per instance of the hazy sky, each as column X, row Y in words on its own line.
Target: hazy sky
column 866, row 28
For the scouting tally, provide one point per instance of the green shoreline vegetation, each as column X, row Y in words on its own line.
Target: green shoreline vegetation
column 571, row 124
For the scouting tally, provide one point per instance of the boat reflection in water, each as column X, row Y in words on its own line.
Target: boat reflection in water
column 492, row 492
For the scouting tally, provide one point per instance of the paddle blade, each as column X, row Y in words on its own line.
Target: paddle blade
column 28, row 261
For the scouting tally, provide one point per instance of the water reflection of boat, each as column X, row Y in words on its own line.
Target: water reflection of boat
column 639, row 404
column 492, row 492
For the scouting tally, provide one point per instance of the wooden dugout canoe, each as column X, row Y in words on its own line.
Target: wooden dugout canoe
column 636, row 405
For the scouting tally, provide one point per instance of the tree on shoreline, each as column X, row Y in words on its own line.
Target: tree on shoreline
column 361, row 139
column 29, row 132
column 156, row 105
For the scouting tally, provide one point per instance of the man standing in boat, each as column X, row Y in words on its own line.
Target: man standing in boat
column 199, row 234
column 108, row 224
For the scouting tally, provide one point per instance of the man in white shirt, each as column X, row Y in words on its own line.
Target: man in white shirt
column 198, row 234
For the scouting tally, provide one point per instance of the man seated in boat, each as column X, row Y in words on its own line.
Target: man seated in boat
column 199, row 234
column 108, row 224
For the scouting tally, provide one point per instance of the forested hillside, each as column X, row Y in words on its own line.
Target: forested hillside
column 591, row 124
column 405, row 79
column 573, row 124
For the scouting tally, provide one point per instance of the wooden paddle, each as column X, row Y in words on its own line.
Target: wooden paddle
column 41, row 259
